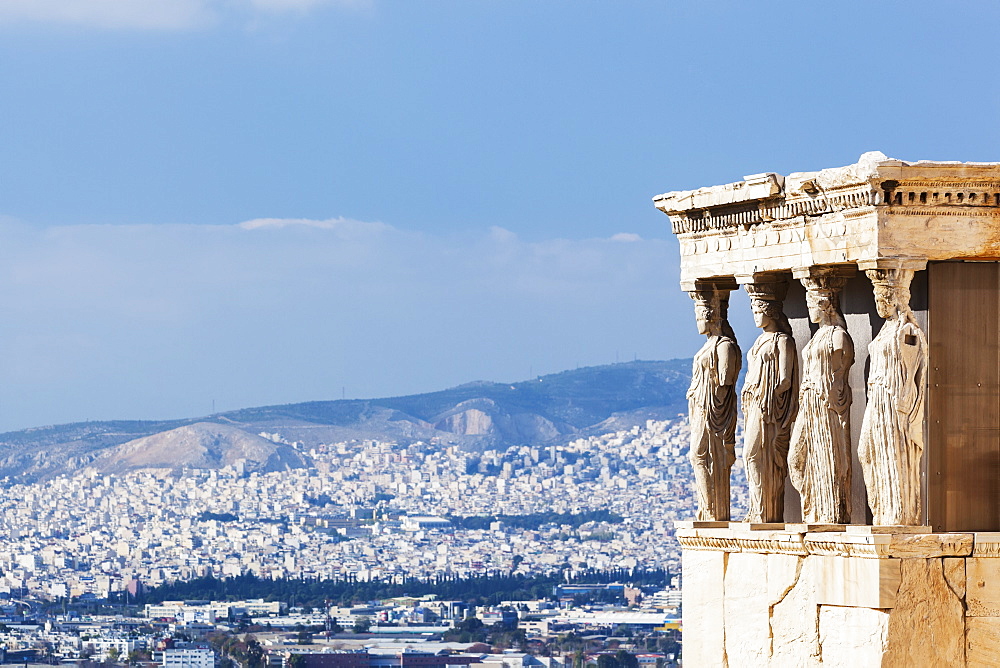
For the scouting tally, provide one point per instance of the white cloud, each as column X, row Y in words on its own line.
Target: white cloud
column 328, row 224
column 627, row 237
column 303, row 5
column 502, row 235
column 150, row 14
column 141, row 14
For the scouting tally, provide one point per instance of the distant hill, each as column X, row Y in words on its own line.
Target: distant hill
column 476, row 415
column 202, row 445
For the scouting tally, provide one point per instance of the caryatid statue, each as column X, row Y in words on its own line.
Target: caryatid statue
column 819, row 456
column 892, row 432
column 712, row 404
column 770, row 401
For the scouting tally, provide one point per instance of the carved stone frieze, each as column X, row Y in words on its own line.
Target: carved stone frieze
column 846, row 545
column 986, row 545
column 771, row 210
column 841, row 544
column 769, row 542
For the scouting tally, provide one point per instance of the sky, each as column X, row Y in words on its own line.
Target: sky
column 214, row 204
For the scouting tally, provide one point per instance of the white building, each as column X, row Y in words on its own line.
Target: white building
column 188, row 657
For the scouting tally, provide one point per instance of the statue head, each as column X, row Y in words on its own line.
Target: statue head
column 708, row 310
column 823, row 305
column 707, row 316
column 823, row 298
column 766, row 311
column 892, row 291
column 766, row 300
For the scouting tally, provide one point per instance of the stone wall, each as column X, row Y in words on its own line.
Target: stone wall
column 858, row 596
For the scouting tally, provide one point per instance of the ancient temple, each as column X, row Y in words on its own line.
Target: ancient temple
column 872, row 408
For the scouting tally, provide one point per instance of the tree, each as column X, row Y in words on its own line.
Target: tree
column 623, row 630
column 470, row 624
column 113, row 654
column 254, row 653
column 135, row 656
column 362, row 625
column 626, row 660
column 607, row 661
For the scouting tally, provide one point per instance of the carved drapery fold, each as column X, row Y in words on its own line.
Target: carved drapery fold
column 892, row 438
column 770, row 401
column 819, row 458
column 712, row 403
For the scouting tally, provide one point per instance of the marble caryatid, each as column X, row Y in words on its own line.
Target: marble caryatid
column 712, row 404
column 819, row 456
column 770, row 401
column 892, row 432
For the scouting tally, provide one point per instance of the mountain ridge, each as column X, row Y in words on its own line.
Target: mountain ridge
column 475, row 415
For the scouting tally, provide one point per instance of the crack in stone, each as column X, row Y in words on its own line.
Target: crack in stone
column 799, row 562
column 947, row 581
column 770, row 609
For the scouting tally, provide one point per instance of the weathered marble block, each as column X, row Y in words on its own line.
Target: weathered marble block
column 852, row 637
column 703, row 600
column 982, row 587
column 747, row 598
column 982, row 642
column 855, row 582
column 850, row 598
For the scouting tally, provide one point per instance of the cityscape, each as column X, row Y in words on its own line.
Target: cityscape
column 362, row 511
column 366, row 510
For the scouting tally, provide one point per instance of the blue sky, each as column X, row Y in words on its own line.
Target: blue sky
column 266, row 201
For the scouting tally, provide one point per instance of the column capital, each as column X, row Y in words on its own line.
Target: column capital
column 714, row 284
column 772, row 291
column 762, row 277
column 909, row 263
column 821, row 271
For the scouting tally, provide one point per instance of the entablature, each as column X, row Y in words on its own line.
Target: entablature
column 876, row 209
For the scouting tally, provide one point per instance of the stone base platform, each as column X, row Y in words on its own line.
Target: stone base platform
column 835, row 595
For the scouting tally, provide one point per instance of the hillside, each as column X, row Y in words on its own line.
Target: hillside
column 476, row 415
column 203, row 445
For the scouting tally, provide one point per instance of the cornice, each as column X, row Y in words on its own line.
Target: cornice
column 901, row 188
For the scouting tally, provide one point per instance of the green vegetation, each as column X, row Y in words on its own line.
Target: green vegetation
column 497, row 635
column 481, row 590
column 537, row 520
column 235, row 650
column 620, row 659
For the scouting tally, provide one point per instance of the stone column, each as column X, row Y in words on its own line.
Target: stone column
column 769, row 398
column 819, row 458
column 892, row 433
column 712, row 399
